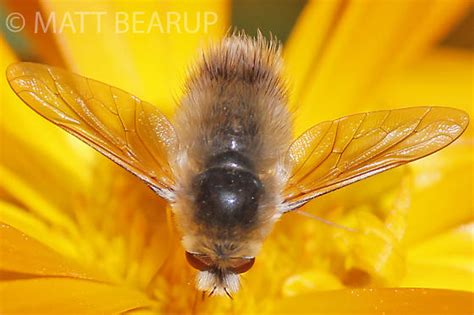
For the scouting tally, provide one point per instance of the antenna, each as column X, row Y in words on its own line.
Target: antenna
column 327, row 222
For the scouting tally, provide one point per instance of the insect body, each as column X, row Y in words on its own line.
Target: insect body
column 227, row 164
column 230, row 162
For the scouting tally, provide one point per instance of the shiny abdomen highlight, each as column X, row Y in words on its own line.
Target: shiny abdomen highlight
column 227, row 193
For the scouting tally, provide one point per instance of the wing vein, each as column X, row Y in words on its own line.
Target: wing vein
column 325, row 158
column 146, row 146
column 85, row 120
column 312, row 151
column 381, row 140
column 83, row 107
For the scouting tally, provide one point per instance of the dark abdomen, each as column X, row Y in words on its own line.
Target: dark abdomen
column 227, row 192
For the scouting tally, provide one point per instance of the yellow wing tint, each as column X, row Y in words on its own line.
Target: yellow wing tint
column 131, row 132
column 337, row 153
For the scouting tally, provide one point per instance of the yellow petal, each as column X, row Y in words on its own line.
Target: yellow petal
column 30, row 43
column 372, row 256
column 26, row 126
column 425, row 274
column 364, row 41
column 442, row 193
column 21, row 254
column 54, row 236
column 142, row 47
column 128, row 237
column 379, row 301
column 310, row 281
column 32, row 170
column 302, row 49
column 67, row 296
column 33, row 180
column 444, row 261
column 442, row 77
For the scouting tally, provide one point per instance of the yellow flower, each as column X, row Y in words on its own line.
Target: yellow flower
column 80, row 235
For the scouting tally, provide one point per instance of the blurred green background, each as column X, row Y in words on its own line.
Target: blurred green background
column 278, row 17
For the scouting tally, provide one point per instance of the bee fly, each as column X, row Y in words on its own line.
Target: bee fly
column 227, row 164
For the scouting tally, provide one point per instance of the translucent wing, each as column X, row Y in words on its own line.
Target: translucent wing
column 337, row 153
column 131, row 132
